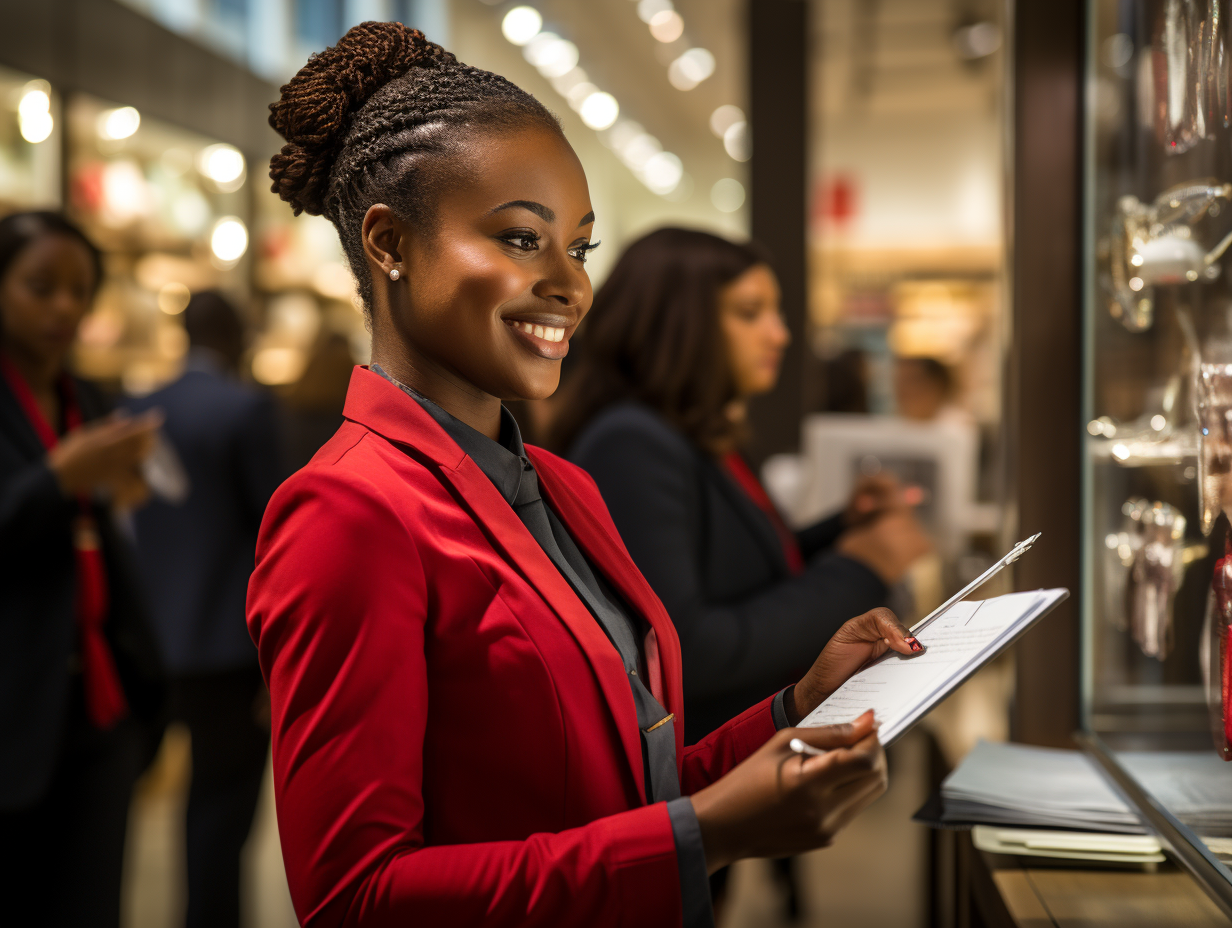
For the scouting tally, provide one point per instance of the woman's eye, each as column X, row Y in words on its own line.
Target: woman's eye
column 581, row 251
column 522, row 241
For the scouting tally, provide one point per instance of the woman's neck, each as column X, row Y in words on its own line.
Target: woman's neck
column 455, row 395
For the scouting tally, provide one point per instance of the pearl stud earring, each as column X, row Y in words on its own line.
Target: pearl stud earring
column 393, row 273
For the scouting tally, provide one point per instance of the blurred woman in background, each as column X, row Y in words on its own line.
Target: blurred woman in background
column 685, row 330
column 78, row 663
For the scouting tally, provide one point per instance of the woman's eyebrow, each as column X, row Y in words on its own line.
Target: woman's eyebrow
column 538, row 209
column 589, row 217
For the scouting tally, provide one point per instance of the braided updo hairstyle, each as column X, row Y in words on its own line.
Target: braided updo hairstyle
column 374, row 119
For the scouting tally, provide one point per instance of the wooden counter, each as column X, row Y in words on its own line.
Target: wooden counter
column 995, row 891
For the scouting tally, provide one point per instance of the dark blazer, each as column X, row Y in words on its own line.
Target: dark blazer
column 196, row 556
column 746, row 625
column 455, row 739
column 38, row 619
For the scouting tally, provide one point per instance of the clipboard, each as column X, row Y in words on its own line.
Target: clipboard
column 902, row 690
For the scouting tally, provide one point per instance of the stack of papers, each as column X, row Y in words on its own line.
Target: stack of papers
column 1012, row 784
column 1195, row 786
column 1069, row 845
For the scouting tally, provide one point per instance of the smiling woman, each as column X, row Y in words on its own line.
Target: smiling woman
column 476, row 696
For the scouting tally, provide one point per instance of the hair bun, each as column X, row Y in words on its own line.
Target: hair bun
column 314, row 111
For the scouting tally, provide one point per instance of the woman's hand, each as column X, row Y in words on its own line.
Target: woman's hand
column 778, row 802
column 874, row 494
column 859, row 641
column 888, row 544
column 106, row 455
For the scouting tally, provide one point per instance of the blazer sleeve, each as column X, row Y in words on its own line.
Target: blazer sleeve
column 647, row 475
column 820, row 535
column 338, row 606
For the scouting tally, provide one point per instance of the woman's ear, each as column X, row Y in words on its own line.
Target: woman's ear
column 382, row 234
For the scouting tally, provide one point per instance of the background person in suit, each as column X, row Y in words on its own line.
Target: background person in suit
column 685, row 330
column 196, row 557
column 79, row 667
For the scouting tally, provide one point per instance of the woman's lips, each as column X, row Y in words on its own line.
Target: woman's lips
column 546, row 341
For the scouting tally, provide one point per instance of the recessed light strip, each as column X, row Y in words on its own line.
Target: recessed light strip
column 556, row 59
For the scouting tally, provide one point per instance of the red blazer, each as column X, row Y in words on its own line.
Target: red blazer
column 455, row 741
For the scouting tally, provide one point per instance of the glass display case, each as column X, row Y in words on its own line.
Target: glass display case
column 1157, row 461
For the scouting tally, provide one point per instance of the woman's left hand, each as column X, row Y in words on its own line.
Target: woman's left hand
column 859, row 640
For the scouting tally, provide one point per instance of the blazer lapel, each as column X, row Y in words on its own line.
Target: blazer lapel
column 380, row 406
column 13, row 422
column 758, row 522
column 607, row 553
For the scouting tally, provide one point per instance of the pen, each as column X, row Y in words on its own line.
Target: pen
column 801, row 747
column 1014, row 554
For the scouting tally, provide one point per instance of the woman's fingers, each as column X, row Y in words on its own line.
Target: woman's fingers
column 895, row 632
column 879, row 625
column 829, row 737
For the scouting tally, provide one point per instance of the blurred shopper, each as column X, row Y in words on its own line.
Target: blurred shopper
column 685, row 330
column 312, row 406
column 196, row 558
column 924, row 391
column 78, row 663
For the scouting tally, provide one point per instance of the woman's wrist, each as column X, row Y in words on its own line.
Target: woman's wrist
column 802, row 699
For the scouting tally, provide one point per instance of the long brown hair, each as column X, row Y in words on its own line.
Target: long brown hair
column 653, row 336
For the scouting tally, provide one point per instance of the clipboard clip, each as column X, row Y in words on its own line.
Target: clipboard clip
column 1021, row 548
column 1014, row 554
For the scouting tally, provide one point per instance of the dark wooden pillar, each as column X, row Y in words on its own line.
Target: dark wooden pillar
column 778, row 181
column 1045, row 364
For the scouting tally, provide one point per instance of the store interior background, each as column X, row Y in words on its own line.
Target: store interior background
column 163, row 161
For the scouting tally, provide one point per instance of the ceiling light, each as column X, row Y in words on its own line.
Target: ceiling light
column 551, row 55
column 173, row 298
column 649, row 9
column 599, row 110
column 190, row 211
column 662, row 172
column 691, row 68
column 639, row 150
column 118, row 123
column 224, row 165
column 126, row 196
column 976, row 41
column 521, row 24
column 727, row 195
column 570, row 79
column 622, row 133
column 577, row 96
column 34, row 112
column 737, row 141
column 229, row 239
column 724, row 118
column 667, row 26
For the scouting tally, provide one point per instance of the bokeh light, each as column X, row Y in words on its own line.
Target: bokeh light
column 521, row 24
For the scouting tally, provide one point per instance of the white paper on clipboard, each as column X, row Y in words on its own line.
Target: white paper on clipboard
column 902, row 690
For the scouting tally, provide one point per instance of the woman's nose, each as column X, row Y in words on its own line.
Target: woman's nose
column 780, row 335
column 563, row 282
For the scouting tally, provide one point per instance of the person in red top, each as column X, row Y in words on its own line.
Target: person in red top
column 79, row 665
column 684, row 333
column 476, row 697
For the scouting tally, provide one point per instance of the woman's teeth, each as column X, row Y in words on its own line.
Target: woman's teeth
column 547, row 332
